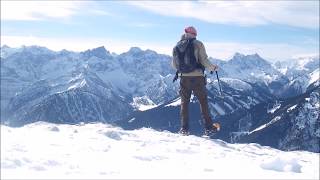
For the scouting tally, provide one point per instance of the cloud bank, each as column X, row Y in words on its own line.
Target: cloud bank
column 303, row 14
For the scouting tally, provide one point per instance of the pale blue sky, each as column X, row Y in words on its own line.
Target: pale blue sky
column 277, row 30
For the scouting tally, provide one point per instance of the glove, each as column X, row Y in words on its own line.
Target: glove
column 213, row 67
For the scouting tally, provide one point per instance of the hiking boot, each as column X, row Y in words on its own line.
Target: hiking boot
column 184, row 132
column 212, row 129
column 209, row 132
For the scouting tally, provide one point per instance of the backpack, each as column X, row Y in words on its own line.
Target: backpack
column 184, row 58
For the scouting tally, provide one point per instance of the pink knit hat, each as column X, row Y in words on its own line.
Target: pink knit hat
column 191, row 30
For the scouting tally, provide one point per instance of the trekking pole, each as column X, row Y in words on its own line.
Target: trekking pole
column 220, row 91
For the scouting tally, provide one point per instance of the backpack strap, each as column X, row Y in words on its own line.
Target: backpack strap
column 198, row 64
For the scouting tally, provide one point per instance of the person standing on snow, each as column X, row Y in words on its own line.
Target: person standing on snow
column 190, row 59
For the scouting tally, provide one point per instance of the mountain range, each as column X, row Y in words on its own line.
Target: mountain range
column 135, row 89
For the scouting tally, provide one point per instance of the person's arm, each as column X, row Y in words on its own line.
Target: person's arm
column 203, row 58
column 173, row 63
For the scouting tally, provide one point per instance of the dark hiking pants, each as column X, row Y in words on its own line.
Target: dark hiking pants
column 197, row 85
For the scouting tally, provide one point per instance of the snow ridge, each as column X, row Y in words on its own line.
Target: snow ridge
column 100, row 151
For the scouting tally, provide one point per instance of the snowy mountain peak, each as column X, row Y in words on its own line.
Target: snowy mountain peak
column 65, row 52
column 36, row 50
column 238, row 55
column 149, row 51
column 135, row 50
column 250, row 61
column 25, row 51
column 6, row 51
column 101, row 49
column 5, row 46
column 301, row 63
column 99, row 52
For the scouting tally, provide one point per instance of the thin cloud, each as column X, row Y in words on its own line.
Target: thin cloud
column 42, row 10
column 245, row 13
column 100, row 12
column 269, row 51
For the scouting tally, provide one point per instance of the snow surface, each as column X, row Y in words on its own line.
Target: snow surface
column 291, row 108
column 237, row 84
column 274, row 108
column 176, row 102
column 314, row 76
column 143, row 103
column 275, row 119
column 100, row 151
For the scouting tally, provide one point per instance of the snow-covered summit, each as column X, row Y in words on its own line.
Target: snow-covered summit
column 301, row 72
column 252, row 60
column 37, row 49
column 135, row 73
column 250, row 68
column 305, row 62
column 136, row 54
column 135, row 50
column 99, row 52
column 302, row 63
column 7, row 51
column 100, row 151
column 5, row 46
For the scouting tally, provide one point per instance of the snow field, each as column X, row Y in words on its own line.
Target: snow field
column 100, row 151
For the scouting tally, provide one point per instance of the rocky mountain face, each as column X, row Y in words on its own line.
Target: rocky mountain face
column 290, row 124
column 237, row 100
column 254, row 69
column 293, row 124
column 134, row 89
column 68, row 87
column 301, row 72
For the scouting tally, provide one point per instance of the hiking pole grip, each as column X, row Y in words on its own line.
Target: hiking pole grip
column 175, row 77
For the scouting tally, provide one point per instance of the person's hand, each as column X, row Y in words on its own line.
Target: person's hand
column 213, row 67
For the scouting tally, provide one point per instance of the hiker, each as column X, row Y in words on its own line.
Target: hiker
column 190, row 59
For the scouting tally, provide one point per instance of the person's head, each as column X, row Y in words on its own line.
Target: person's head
column 191, row 30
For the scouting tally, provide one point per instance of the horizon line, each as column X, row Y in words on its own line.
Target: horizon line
column 234, row 54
